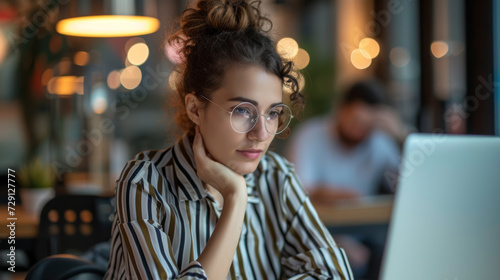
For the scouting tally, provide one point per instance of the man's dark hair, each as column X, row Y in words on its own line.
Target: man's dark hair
column 370, row 92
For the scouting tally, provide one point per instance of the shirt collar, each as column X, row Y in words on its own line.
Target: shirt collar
column 189, row 185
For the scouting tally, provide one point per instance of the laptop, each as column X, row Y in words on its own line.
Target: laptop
column 446, row 217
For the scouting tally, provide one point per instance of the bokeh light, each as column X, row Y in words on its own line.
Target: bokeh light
column 130, row 77
column 360, row 59
column 287, row 48
column 99, row 105
column 370, row 46
column 65, row 85
column 301, row 60
column 108, row 26
column 81, row 58
column 439, row 49
column 4, row 46
column 113, row 79
column 98, row 98
column 138, row 53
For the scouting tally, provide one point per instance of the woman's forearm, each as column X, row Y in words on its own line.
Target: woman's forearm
column 217, row 256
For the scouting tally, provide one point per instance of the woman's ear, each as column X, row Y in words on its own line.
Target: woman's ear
column 192, row 107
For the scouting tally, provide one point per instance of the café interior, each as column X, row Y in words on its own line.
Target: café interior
column 78, row 99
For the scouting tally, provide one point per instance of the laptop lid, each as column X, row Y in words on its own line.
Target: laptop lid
column 446, row 217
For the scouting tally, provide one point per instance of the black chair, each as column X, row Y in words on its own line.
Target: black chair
column 72, row 224
column 62, row 267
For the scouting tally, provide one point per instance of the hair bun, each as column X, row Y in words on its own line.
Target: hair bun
column 214, row 16
column 232, row 15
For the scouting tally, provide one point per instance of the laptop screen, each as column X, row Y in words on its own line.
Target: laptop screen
column 446, row 217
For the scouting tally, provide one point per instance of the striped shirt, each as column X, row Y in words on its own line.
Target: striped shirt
column 164, row 219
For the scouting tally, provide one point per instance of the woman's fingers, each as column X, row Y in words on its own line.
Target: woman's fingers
column 218, row 175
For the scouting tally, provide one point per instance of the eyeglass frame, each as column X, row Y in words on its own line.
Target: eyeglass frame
column 257, row 117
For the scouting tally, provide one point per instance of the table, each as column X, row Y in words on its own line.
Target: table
column 364, row 211
column 371, row 210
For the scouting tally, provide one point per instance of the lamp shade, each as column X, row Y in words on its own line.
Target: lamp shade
column 107, row 18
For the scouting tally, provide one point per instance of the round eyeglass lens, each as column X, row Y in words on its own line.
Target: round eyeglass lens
column 245, row 116
column 278, row 119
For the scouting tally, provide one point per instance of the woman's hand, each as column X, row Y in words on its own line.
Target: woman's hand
column 217, row 175
column 218, row 255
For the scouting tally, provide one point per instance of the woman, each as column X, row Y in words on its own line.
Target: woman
column 217, row 204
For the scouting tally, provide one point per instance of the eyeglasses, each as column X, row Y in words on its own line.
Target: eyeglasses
column 245, row 116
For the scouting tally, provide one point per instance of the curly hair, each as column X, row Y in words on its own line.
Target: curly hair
column 215, row 34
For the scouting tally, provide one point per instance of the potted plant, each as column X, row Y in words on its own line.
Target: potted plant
column 37, row 185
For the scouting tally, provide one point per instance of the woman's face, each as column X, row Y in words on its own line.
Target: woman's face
column 242, row 83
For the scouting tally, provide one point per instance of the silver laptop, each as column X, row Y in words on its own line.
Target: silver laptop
column 446, row 217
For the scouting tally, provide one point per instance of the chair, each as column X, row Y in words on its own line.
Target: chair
column 72, row 224
column 61, row 267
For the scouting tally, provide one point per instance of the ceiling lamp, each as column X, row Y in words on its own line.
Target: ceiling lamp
column 108, row 18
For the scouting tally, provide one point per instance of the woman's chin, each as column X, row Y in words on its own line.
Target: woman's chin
column 245, row 167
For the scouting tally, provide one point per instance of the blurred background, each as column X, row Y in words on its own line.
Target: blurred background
column 79, row 105
column 85, row 105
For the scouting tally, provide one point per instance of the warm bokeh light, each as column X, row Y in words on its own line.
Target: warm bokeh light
column 81, row 58
column 370, row 46
column 287, row 48
column 65, row 85
column 399, row 56
column 172, row 79
column 46, row 76
column 301, row 60
column 98, row 99
column 99, row 105
column 138, row 53
column 4, row 46
column 113, row 79
column 439, row 49
column 130, row 77
column 107, row 26
column 360, row 59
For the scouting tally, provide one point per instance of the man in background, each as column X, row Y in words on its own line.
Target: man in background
column 345, row 155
